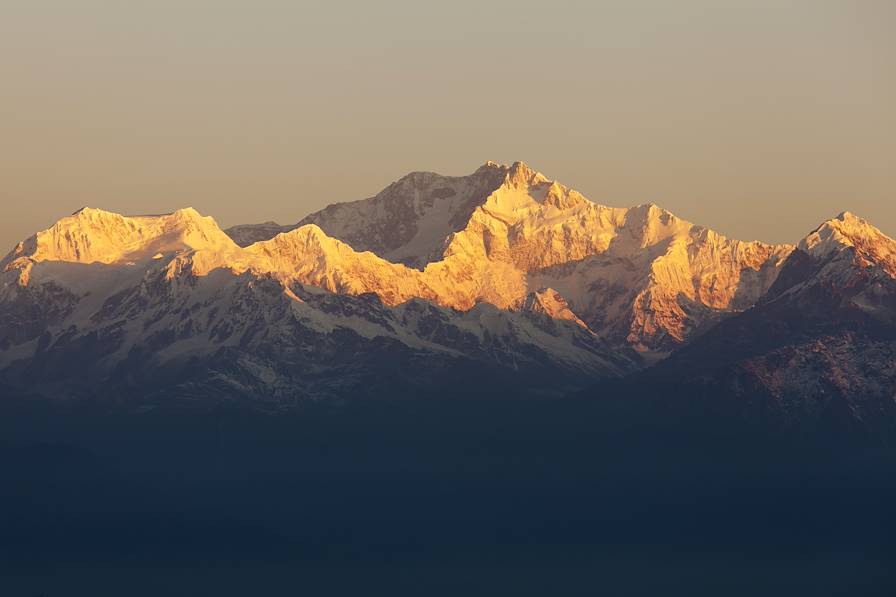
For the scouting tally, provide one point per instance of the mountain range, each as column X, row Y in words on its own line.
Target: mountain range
column 502, row 279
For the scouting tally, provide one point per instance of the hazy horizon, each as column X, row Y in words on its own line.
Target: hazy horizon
column 752, row 118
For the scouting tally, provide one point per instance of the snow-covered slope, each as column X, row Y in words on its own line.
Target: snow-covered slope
column 97, row 236
column 846, row 261
column 503, row 267
column 849, row 236
column 94, row 235
column 820, row 346
column 410, row 220
column 407, row 222
column 309, row 256
column 104, row 303
column 639, row 276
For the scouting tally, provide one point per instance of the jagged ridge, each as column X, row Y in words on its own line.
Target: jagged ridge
column 528, row 271
column 640, row 275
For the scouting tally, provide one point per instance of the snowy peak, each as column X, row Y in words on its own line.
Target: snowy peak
column 822, row 335
column 97, row 236
column 290, row 251
column 309, row 256
column 844, row 267
column 639, row 275
column 409, row 221
column 490, row 166
column 847, row 231
column 520, row 175
column 836, row 234
column 503, row 264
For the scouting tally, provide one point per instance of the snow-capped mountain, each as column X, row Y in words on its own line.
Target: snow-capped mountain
column 638, row 276
column 499, row 275
column 820, row 346
column 103, row 303
column 407, row 222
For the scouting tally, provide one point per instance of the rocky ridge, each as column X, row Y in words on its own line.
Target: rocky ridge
column 500, row 271
column 638, row 276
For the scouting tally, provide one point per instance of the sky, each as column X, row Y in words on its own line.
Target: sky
column 759, row 119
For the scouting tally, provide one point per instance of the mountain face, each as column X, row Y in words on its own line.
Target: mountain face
column 820, row 346
column 407, row 222
column 501, row 279
column 640, row 277
column 102, row 304
column 410, row 220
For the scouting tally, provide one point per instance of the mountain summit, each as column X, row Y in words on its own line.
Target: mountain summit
column 639, row 276
column 866, row 244
column 818, row 349
column 503, row 276
column 96, row 236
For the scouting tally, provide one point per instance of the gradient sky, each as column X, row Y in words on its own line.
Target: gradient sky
column 759, row 119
